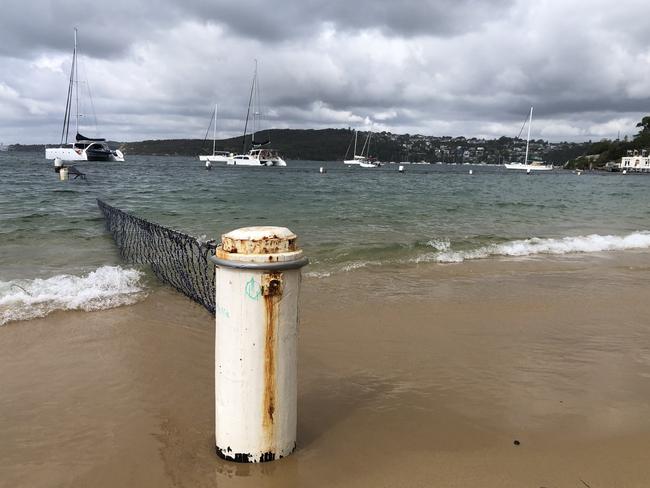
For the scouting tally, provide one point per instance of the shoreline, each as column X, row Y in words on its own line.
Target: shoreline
column 427, row 380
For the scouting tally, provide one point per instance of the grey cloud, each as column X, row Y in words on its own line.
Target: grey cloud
column 416, row 66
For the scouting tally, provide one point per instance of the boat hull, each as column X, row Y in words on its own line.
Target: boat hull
column 528, row 167
column 71, row 154
column 256, row 162
column 217, row 158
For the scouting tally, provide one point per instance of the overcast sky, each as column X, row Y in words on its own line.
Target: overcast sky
column 434, row 67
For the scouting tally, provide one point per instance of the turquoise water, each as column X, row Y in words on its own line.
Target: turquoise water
column 348, row 218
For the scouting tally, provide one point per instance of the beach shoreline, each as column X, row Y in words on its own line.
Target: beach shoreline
column 423, row 376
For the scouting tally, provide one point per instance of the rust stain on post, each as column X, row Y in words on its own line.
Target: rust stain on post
column 272, row 292
column 270, row 306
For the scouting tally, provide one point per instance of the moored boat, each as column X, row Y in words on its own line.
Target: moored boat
column 529, row 166
column 84, row 148
column 259, row 154
column 216, row 156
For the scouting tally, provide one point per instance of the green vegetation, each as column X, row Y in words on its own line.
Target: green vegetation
column 600, row 153
column 335, row 144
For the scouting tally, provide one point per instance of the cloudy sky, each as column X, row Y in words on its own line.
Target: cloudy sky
column 434, row 67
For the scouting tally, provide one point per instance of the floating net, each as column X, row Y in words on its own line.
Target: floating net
column 177, row 259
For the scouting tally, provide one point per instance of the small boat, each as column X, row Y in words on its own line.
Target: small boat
column 258, row 155
column 3, row 148
column 534, row 165
column 363, row 159
column 84, row 148
column 216, row 156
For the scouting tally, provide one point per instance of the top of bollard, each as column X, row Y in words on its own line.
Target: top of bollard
column 259, row 240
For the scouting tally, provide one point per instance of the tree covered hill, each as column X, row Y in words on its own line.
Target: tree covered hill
column 598, row 154
column 334, row 144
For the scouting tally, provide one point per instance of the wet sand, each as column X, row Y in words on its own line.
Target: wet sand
column 423, row 376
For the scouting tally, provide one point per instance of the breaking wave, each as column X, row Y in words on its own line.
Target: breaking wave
column 535, row 246
column 106, row 287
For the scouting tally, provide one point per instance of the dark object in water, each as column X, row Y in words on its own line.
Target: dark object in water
column 71, row 171
column 77, row 174
column 516, row 443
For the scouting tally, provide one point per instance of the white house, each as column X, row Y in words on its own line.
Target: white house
column 635, row 161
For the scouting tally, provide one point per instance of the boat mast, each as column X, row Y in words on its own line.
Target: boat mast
column 250, row 99
column 355, row 143
column 76, row 76
column 530, row 121
column 214, row 130
column 68, row 104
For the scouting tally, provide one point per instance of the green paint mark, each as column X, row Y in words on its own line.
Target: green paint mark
column 253, row 289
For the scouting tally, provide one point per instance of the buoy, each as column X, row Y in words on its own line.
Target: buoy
column 321, row 170
column 579, row 173
column 58, row 164
column 400, row 169
column 208, row 165
column 471, row 171
column 63, row 173
column 624, row 171
column 528, row 171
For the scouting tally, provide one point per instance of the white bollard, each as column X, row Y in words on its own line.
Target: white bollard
column 63, row 174
column 400, row 169
column 257, row 285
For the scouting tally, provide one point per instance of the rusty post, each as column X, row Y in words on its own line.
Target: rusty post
column 257, row 286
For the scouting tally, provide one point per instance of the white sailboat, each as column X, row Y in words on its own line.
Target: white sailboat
column 216, row 156
column 258, row 155
column 535, row 165
column 363, row 160
column 84, row 148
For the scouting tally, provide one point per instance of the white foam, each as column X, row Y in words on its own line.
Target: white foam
column 439, row 244
column 318, row 274
column 530, row 247
column 106, row 287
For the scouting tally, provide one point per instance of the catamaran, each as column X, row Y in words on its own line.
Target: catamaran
column 84, row 148
column 258, row 155
column 363, row 160
column 216, row 156
column 535, row 165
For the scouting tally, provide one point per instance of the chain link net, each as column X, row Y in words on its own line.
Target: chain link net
column 175, row 258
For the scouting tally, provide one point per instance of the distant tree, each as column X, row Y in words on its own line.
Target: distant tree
column 644, row 124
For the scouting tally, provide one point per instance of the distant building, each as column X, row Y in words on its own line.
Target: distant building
column 636, row 162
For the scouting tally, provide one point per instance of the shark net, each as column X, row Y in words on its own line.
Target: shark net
column 177, row 259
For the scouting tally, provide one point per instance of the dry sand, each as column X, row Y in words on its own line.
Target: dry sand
column 422, row 376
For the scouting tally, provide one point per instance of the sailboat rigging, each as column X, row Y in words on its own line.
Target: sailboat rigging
column 84, row 148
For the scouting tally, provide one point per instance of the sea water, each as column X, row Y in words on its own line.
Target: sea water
column 55, row 252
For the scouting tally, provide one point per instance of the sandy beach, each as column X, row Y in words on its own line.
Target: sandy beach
column 427, row 381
